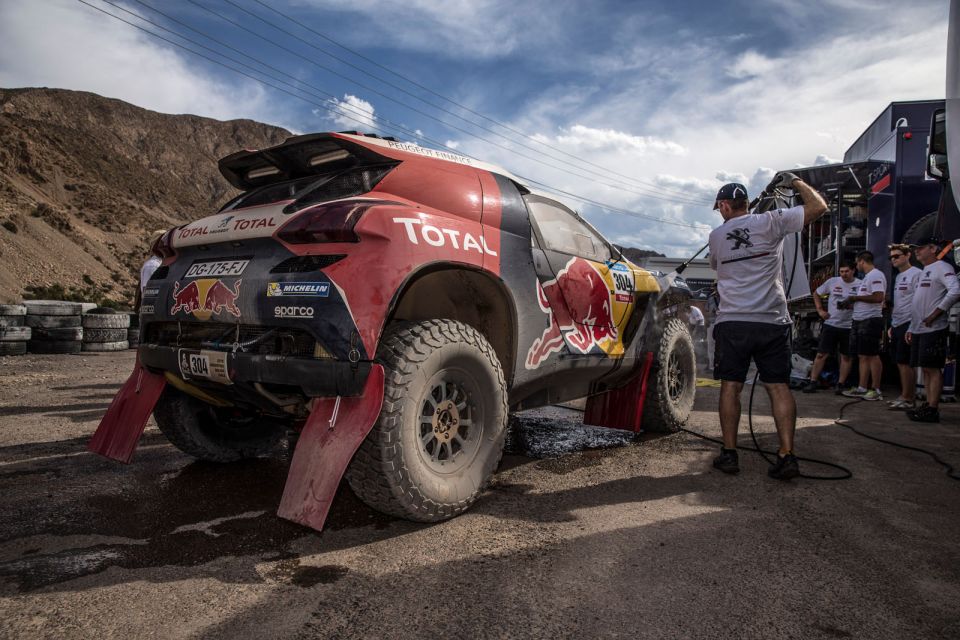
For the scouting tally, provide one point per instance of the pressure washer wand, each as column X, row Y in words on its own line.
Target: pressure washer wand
column 684, row 265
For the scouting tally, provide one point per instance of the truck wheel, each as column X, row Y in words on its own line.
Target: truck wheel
column 922, row 228
column 213, row 433
column 673, row 380
column 440, row 433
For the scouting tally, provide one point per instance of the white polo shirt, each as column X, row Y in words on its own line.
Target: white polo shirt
column 903, row 289
column 747, row 252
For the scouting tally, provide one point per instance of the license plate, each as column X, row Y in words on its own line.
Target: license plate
column 217, row 268
column 209, row 365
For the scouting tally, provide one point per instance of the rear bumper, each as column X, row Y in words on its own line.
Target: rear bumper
column 315, row 377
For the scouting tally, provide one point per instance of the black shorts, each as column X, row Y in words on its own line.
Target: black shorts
column 737, row 342
column 832, row 338
column 866, row 336
column 899, row 348
column 929, row 349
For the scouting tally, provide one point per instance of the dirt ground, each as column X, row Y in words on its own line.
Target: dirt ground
column 643, row 540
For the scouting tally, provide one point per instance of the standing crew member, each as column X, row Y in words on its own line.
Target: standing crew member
column 753, row 321
column 836, row 326
column 937, row 291
column 867, row 331
column 903, row 289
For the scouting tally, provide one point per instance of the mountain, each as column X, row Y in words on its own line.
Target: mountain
column 85, row 180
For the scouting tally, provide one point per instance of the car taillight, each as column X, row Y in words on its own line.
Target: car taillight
column 333, row 222
column 162, row 247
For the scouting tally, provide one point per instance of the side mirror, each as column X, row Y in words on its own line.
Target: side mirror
column 937, row 165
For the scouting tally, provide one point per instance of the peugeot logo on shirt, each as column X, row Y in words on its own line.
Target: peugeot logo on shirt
column 740, row 237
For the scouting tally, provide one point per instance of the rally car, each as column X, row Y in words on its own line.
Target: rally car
column 391, row 303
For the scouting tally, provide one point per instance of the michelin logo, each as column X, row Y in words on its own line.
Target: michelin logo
column 301, row 289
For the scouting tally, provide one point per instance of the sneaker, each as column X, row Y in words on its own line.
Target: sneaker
column 840, row 388
column 787, row 467
column 811, row 386
column 924, row 413
column 728, row 461
column 855, row 392
column 900, row 405
column 873, row 395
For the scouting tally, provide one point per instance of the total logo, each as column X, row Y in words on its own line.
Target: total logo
column 228, row 224
column 205, row 298
column 293, row 312
column 438, row 236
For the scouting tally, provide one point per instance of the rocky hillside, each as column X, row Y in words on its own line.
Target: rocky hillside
column 84, row 180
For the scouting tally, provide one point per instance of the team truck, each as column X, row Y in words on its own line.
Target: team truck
column 389, row 304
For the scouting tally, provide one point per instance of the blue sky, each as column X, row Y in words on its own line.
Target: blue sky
column 671, row 99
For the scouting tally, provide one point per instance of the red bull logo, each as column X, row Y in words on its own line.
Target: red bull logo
column 579, row 312
column 206, row 297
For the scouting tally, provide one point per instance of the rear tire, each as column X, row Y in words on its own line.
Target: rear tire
column 672, row 385
column 212, row 433
column 441, row 430
column 922, row 228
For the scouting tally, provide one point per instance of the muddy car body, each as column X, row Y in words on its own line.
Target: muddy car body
column 351, row 258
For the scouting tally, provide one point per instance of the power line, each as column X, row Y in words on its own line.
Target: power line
column 438, row 95
column 324, row 106
column 681, row 197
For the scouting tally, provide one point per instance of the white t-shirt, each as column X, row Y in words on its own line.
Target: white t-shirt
column 837, row 290
column 937, row 288
column 903, row 288
column 871, row 283
column 747, row 252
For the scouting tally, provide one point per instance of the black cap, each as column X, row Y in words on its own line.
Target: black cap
column 928, row 239
column 730, row 191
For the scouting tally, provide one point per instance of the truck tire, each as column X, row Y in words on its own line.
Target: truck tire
column 922, row 228
column 54, row 346
column 68, row 333
column 13, row 348
column 672, row 385
column 12, row 310
column 14, row 334
column 106, row 321
column 53, row 308
column 52, row 322
column 440, row 433
column 119, row 345
column 212, row 433
column 104, row 335
column 12, row 321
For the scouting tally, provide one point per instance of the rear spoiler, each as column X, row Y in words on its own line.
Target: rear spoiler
column 296, row 157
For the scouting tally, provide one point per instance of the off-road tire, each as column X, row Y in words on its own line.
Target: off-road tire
column 13, row 321
column 13, row 348
column 104, row 335
column 922, row 228
column 133, row 337
column 210, row 433
column 51, row 322
column 12, row 310
column 53, row 308
column 391, row 471
column 118, row 345
column 106, row 321
column 54, row 346
column 672, row 385
column 14, row 334
column 69, row 333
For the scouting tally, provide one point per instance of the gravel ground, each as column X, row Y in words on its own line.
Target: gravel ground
column 637, row 540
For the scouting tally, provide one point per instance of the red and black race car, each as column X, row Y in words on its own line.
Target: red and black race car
column 391, row 303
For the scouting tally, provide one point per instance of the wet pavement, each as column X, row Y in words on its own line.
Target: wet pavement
column 583, row 532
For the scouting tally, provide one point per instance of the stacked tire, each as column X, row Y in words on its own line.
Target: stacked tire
column 133, row 333
column 54, row 325
column 105, row 330
column 13, row 332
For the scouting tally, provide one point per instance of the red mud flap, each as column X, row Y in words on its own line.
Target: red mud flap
column 621, row 408
column 333, row 432
column 122, row 425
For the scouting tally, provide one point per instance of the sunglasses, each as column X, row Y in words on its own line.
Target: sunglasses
column 894, row 256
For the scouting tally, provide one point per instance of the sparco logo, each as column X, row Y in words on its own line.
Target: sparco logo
column 740, row 237
column 293, row 312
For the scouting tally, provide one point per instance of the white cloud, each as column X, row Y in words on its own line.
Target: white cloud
column 751, row 63
column 71, row 46
column 352, row 112
column 452, row 144
column 582, row 137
